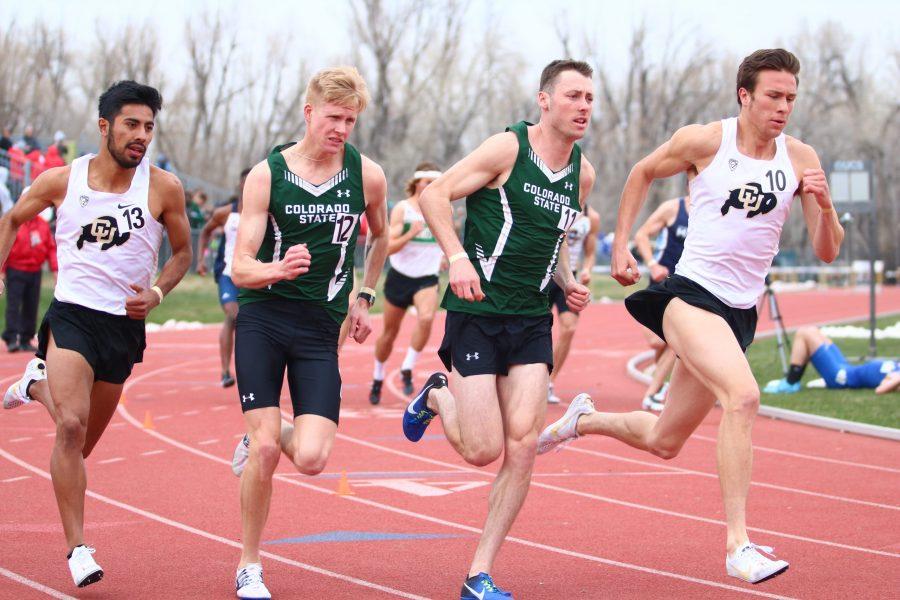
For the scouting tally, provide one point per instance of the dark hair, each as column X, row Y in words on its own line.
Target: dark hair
column 410, row 187
column 775, row 59
column 551, row 71
column 127, row 92
column 245, row 172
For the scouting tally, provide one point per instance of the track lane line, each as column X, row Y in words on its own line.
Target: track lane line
column 35, row 585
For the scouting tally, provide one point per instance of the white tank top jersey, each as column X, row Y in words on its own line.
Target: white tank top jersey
column 575, row 237
column 738, row 208
column 230, row 230
column 421, row 256
column 105, row 241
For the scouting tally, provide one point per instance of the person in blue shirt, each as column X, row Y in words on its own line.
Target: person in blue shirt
column 811, row 345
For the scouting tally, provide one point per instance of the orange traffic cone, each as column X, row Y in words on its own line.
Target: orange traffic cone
column 148, row 421
column 343, row 488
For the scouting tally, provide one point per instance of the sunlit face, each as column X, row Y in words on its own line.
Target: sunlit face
column 569, row 103
column 128, row 136
column 771, row 103
column 329, row 125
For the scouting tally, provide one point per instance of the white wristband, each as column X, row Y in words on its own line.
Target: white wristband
column 457, row 256
column 159, row 293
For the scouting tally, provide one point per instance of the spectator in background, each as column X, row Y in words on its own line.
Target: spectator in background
column 196, row 209
column 31, row 143
column 6, row 139
column 33, row 246
column 53, row 158
column 164, row 163
column 6, row 201
column 59, row 143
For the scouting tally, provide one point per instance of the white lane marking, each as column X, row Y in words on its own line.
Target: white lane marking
column 110, row 460
column 162, row 417
column 20, row 439
column 207, row 442
column 35, row 585
column 51, row 434
column 13, row 479
column 211, row 536
column 191, row 413
column 152, row 452
column 219, row 408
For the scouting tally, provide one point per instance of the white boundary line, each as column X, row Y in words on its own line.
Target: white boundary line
column 35, row 585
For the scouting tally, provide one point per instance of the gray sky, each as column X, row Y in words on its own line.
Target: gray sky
column 319, row 26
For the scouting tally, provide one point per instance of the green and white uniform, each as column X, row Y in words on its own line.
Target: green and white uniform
column 513, row 233
column 326, row 218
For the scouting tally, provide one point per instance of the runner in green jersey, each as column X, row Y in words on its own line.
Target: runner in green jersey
column 524, row 188
column 294, row 264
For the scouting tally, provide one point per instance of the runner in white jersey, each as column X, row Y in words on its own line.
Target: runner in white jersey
column 416, row 259
column 226, row 219
column 743, row 175
column 582, row 243
column 111, row 211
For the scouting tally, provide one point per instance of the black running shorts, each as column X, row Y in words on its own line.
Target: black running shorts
column 489, row 345
column 648, row 305
column 111, row 344
column 278, row 335
column 399, row 289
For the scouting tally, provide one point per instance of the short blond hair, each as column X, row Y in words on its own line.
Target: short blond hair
column 343, row 86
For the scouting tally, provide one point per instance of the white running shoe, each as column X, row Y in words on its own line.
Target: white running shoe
column 749, row 564
column 563, row 430
column 16, row 395
column 241, row 455
column 249, row 583
column 82, row 566
column 551, row 397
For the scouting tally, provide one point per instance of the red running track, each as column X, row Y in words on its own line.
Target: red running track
column 601, row 521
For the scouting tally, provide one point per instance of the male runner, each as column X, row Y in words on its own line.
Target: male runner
column 294, row 264
column 744, row 172
column 524, row 188
column 111, row 211
column 582, row 244
column 412, row 280
column 670, row 220
column 225, row 218
column 811, row 345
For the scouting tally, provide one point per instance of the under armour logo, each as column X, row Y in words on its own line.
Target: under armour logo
column 249, row 398
column 732, row 164
column 471, row 356
column 569, row 185
column 343, row 193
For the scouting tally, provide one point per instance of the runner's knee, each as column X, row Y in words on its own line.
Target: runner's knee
column 743, row 403
column 481, row 455
column 310, row 462
column 665, row 448
column 268, row 452
column 70, row 432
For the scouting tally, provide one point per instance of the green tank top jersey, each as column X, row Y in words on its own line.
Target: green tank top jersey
column 324, row 217
column 513, row 233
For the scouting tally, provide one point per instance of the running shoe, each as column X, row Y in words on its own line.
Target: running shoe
column 749, row 564
column 551, row 397
column 657, row 401
column 17, row 394
column 227, row 380
column 82, row 566
column 249, row 583
column 417, row 415
column 241, row 455
column 781, row 386
column 375, row 392
column 406, row 375
column 482, row 587
column 563, row 431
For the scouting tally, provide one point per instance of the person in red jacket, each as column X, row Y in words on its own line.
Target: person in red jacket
column 33, row 246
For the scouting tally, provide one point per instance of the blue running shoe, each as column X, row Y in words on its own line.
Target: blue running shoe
column 482, row 587
column 781, row 386
column 417, row 415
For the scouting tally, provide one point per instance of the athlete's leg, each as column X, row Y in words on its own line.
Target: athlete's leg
column 426, row 303
column 664, row 365
column 264, row 429
column 226, row 336
column 40, row 391
column 308, row 442
column 70, row 379
column 104, row 400
column 568, row 322
column 470, row 416
column 806, row 341
column 523, row 406
column 391, row 319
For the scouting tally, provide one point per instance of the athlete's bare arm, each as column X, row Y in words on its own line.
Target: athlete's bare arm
column 398, row 238
column 577, row 294
column 48, row 189
column 166, row 202
column 216, row 222
column 589, row 255
column 890, row 383
column 375, row 191
column 246, row 271
column 661, row 218
column 691, row 149
column 489, row 165
column 825, row 230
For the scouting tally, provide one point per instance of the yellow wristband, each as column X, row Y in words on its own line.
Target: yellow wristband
column 830, row 209
column 366, row 290
column 159, row 293
column 457, row 256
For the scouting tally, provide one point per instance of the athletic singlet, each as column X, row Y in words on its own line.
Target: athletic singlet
column 230, row 232
column 421, row 256
column 738, row 208
column 671, row 242
column 575, row 237
column 105, row 241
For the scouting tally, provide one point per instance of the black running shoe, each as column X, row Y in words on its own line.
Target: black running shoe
column 375, row 394
column 227, row 380
column 408, row 388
